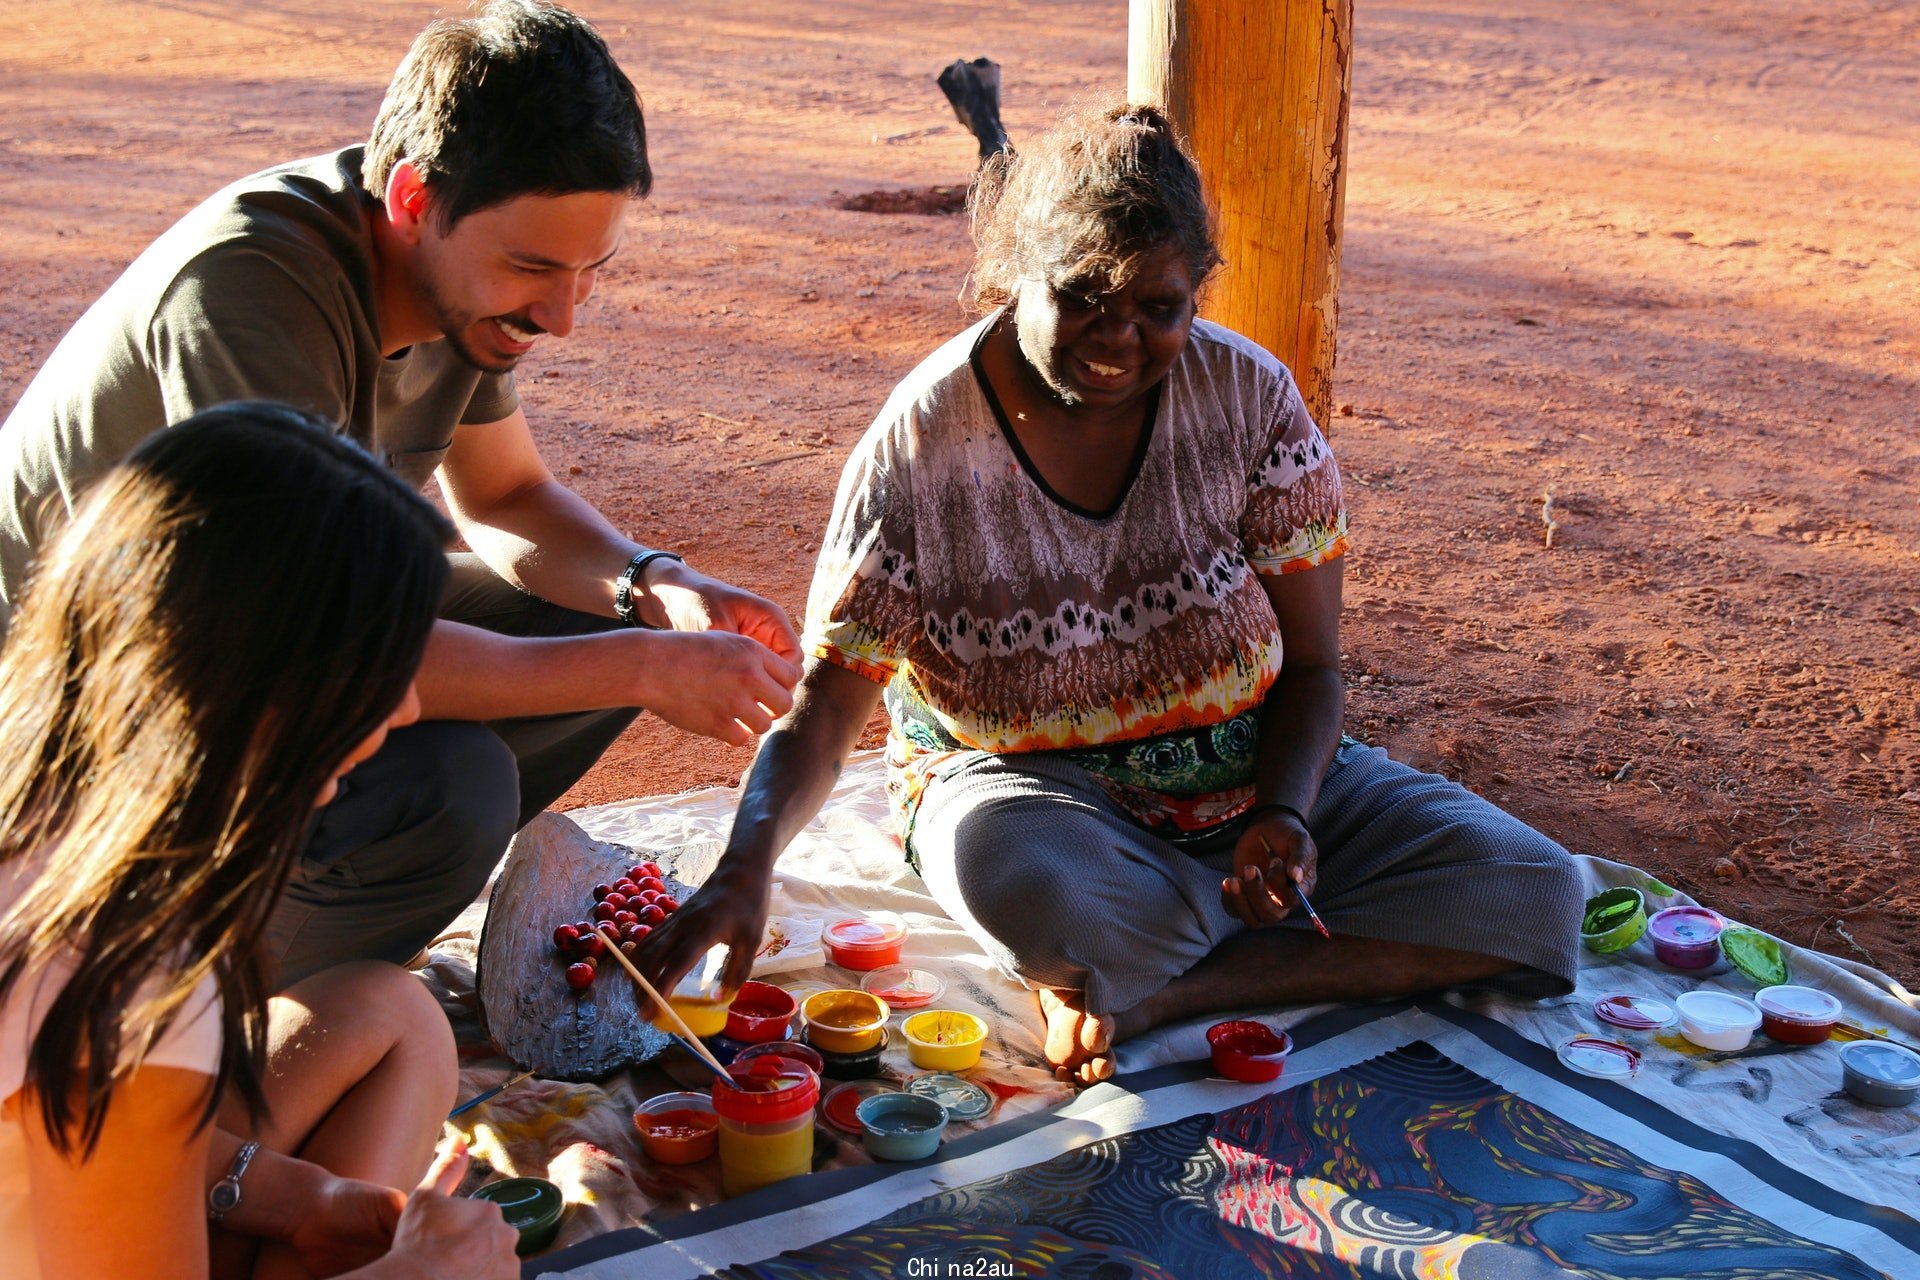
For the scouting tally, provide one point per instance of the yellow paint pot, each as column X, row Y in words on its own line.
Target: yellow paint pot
column 944, row 1039
column 704, row 1016
column 844, row 1020
column 699, row 999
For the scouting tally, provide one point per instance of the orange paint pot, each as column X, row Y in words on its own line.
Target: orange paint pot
column 677, row 1128
column 862, row 944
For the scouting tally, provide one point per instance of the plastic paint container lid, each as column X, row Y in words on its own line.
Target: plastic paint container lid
column 904, row 987
column 1635, row 1013
column 1798, row 1004
column 1887, row 1065
column 1755, row 955
column 963, row 1099
column 1716, row 1011
column 1600, row 1057
column 837, row 1108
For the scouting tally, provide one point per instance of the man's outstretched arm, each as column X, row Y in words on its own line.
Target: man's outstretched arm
column 729, row 659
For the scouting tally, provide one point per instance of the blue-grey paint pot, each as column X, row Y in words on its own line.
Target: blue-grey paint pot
column 1881, row 1075
column 901, row 1126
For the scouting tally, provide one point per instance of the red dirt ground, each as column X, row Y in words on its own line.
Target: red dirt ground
column 1659, row 261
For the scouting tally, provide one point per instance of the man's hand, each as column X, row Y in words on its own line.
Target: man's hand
column 730, row 908
column 1273, row 853
column 349, row 1224
column 688, row 600
column 716, row 684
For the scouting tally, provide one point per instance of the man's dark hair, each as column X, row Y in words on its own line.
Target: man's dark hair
column 523, row 99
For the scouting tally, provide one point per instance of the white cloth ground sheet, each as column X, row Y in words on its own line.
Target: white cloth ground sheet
column 1787, row 1100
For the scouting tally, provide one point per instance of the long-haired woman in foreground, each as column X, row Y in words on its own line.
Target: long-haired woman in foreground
column 229, row 624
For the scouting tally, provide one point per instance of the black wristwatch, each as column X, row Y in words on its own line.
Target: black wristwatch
column 224, row 1196
column 623, row 585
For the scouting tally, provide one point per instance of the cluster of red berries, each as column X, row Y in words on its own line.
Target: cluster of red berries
column 624, row 913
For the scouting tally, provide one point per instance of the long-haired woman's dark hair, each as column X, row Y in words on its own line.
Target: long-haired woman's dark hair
column 231, row 611
column 1085, row 202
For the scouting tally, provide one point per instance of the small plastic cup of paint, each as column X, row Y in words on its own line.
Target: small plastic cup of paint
column 901, row 1126
column 1248, row 1051
column 1614, row 920
column 844, row 1020
column 760, row 1012
column 861, row 1064
column 677, row 1128
column 862, row 943
column 531, row 1206
column 1716, row 1020
column 944, row 1039
column 785, row 1049
column 1686, row 937
column 1797, row 1015
column 1880, row 1075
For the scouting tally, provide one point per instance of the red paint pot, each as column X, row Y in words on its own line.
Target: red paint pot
column 1797, row 1015
column 759, row 1013
column 1686, row 937
column 785, row 1049
column 863, row 944
column 1248, row 1051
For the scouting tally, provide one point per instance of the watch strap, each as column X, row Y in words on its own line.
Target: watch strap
column 623, row 607
column 224, row 1196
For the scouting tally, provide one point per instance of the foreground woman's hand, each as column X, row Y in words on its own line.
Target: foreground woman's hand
column 448, row 1237
column 1274, row 853
column 349, row 1224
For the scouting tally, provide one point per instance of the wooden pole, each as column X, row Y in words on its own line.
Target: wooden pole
column 1259, row 88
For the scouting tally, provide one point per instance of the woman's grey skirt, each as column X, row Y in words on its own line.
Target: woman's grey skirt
column 1066, row 891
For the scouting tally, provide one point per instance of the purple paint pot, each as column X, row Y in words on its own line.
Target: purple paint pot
column 1686, row 937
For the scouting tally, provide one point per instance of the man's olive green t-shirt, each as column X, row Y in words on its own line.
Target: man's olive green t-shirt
column 264, row 292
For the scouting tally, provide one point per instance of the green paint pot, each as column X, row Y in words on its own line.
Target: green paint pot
column 1755, row 955
column 1614, row 920
column 531, row 1206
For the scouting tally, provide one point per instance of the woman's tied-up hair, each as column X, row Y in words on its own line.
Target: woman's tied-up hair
column 1083, row 205
column 522, row 99
column 231, row 610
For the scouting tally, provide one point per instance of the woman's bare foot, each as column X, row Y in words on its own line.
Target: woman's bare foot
column 1078, row 1044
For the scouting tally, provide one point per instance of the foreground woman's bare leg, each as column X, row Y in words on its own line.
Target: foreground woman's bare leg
column 360, row 1071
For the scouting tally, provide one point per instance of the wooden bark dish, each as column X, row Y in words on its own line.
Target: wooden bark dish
column 534, row 1017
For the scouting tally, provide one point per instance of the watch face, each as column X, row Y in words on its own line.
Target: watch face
column 224, row 1196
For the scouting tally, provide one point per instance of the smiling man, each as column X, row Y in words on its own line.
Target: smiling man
column 392, row 288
